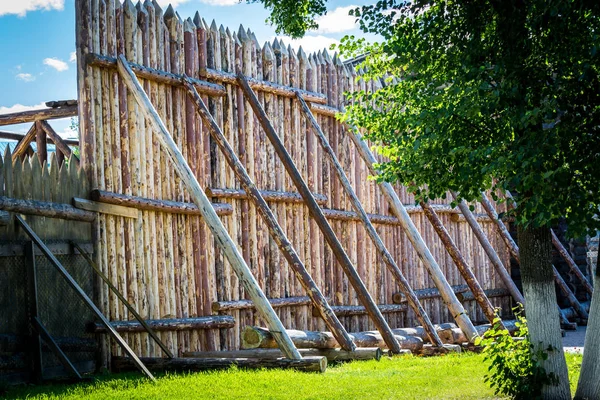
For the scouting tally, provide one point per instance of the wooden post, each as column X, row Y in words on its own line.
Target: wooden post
column 514, row 249
column 455, row 307
column 460, row 262
column 383, row 251
column 317, row 215
column 41, row 143
column 88, row 302
column 35, row 344
column 277, row 233
column 211, row 218
column 489, row 250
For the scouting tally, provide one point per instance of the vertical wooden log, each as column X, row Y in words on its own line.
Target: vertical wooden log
column 204, row 204
column 317, row 214
column 41, row 142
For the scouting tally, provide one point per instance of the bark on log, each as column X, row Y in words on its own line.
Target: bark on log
column 308, row 364
column 211, row 89
column 23, row 145
column 175, row 324
column 456, row 336
column 46, row 209
column 429, row 293
column 363, row 353
column 37, row 115
column 262, row 86
column 20, row 136
column 60, row 144
column 499, row 292
column 222, row 306
column 571, row 313
column 268, row 195
column 255, row 337
column 142, row 203
column 346, row 311
column 224, row 241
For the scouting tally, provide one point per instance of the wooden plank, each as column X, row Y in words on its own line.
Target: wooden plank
column 210, row 217
column 37, row 115
column 104, row 208
column 285, row 246
column 268, row 195
column 317, row 215
column 79, row 291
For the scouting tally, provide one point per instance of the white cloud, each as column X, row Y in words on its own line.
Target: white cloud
column 25, row 77
column 57, row 64
column 73, row 57
column 20, row 107
column 337, row 21
column 310, row 44
column 21, row 7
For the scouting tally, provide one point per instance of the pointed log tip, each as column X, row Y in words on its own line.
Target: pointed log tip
column 198, row 20
column 128, row 6
column 243, row 35
column 189, row 26
column 275, row 45
column 213, row 26
column 222, row 29
column 170, row 12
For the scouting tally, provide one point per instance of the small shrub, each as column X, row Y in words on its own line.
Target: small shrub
column 515, row 369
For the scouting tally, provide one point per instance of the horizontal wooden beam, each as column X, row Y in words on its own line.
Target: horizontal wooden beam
column 478, row 218
column 429, row 293
column 208, row 88
column 37, row 115
column 363, row 353
column 19, row 136
column 498, row 292
column 11, row 343
column 104, row 208
column 175, row 324
column 16, row 248
column 46, row 209
column 309, row 364
column 61, row 103
column 4, row 218
column 347, row 311
column 263, row 86
column 323, row 109
column 341, row 215
column 222, row 306
column 143, row 203
column 268, row 195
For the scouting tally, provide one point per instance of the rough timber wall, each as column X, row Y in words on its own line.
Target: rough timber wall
column 167, row 264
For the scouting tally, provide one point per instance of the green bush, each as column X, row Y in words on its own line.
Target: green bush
column 515, row 369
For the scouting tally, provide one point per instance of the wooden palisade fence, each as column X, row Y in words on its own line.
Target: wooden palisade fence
column 155, row 246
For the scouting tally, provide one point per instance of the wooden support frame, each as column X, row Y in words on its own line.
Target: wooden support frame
column 23, row 145
column 123, row 300
column 514, row 250
column 211, row 218
column 75, row 286
column 455, row 307
column 317, row 214
column 268, row 195
column 35, row 344
column 285, row 246
column 60, row 144
column 51, row 343
column 46, row 209
column 38, row 115
column 388, row 260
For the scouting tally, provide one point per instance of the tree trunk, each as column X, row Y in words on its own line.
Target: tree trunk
column 589, row 380
column 540, row 306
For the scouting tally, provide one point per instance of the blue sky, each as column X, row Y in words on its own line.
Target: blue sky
column 37, row 41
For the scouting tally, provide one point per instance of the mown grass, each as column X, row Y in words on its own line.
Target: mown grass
column 449, row 377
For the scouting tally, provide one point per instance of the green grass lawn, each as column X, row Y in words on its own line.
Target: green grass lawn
column 448, row 377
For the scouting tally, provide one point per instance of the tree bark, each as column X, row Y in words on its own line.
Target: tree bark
column 589, row 380
column 540, row 306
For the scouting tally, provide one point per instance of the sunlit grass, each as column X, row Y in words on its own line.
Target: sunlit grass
column 448, row 377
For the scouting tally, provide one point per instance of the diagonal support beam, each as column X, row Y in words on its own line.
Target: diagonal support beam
column 128, row 305
column 88, row 302
column 317, row 214
column 456, row 307
column 64, row 360
column 24, row 143
column 224, row 241
column 59, row 142
column 409, row 228
column 278, row 235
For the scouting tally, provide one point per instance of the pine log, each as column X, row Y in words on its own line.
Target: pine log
column 429, row 350
column 175, row 324
column 573, row 267
column 223, row 240
column 317, row 215
column 255, row 337
column 307, row 364
column 24, row 144
column 477, row 217
column 60, row 144
column 571, row 313
column 429, row 293
column 263, row 86
column 222, row 306
column 456, row 336
column 158, row 76
column 142, row 203
column 346, row 311
column 498, row 292
column 37, row 115
column 268, row 195
column 46, row 209
column 337, row 354
column 61, row 103
column 20, row 136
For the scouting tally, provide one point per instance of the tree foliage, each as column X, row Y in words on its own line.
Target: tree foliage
column 293, row 17
column 501, row 94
